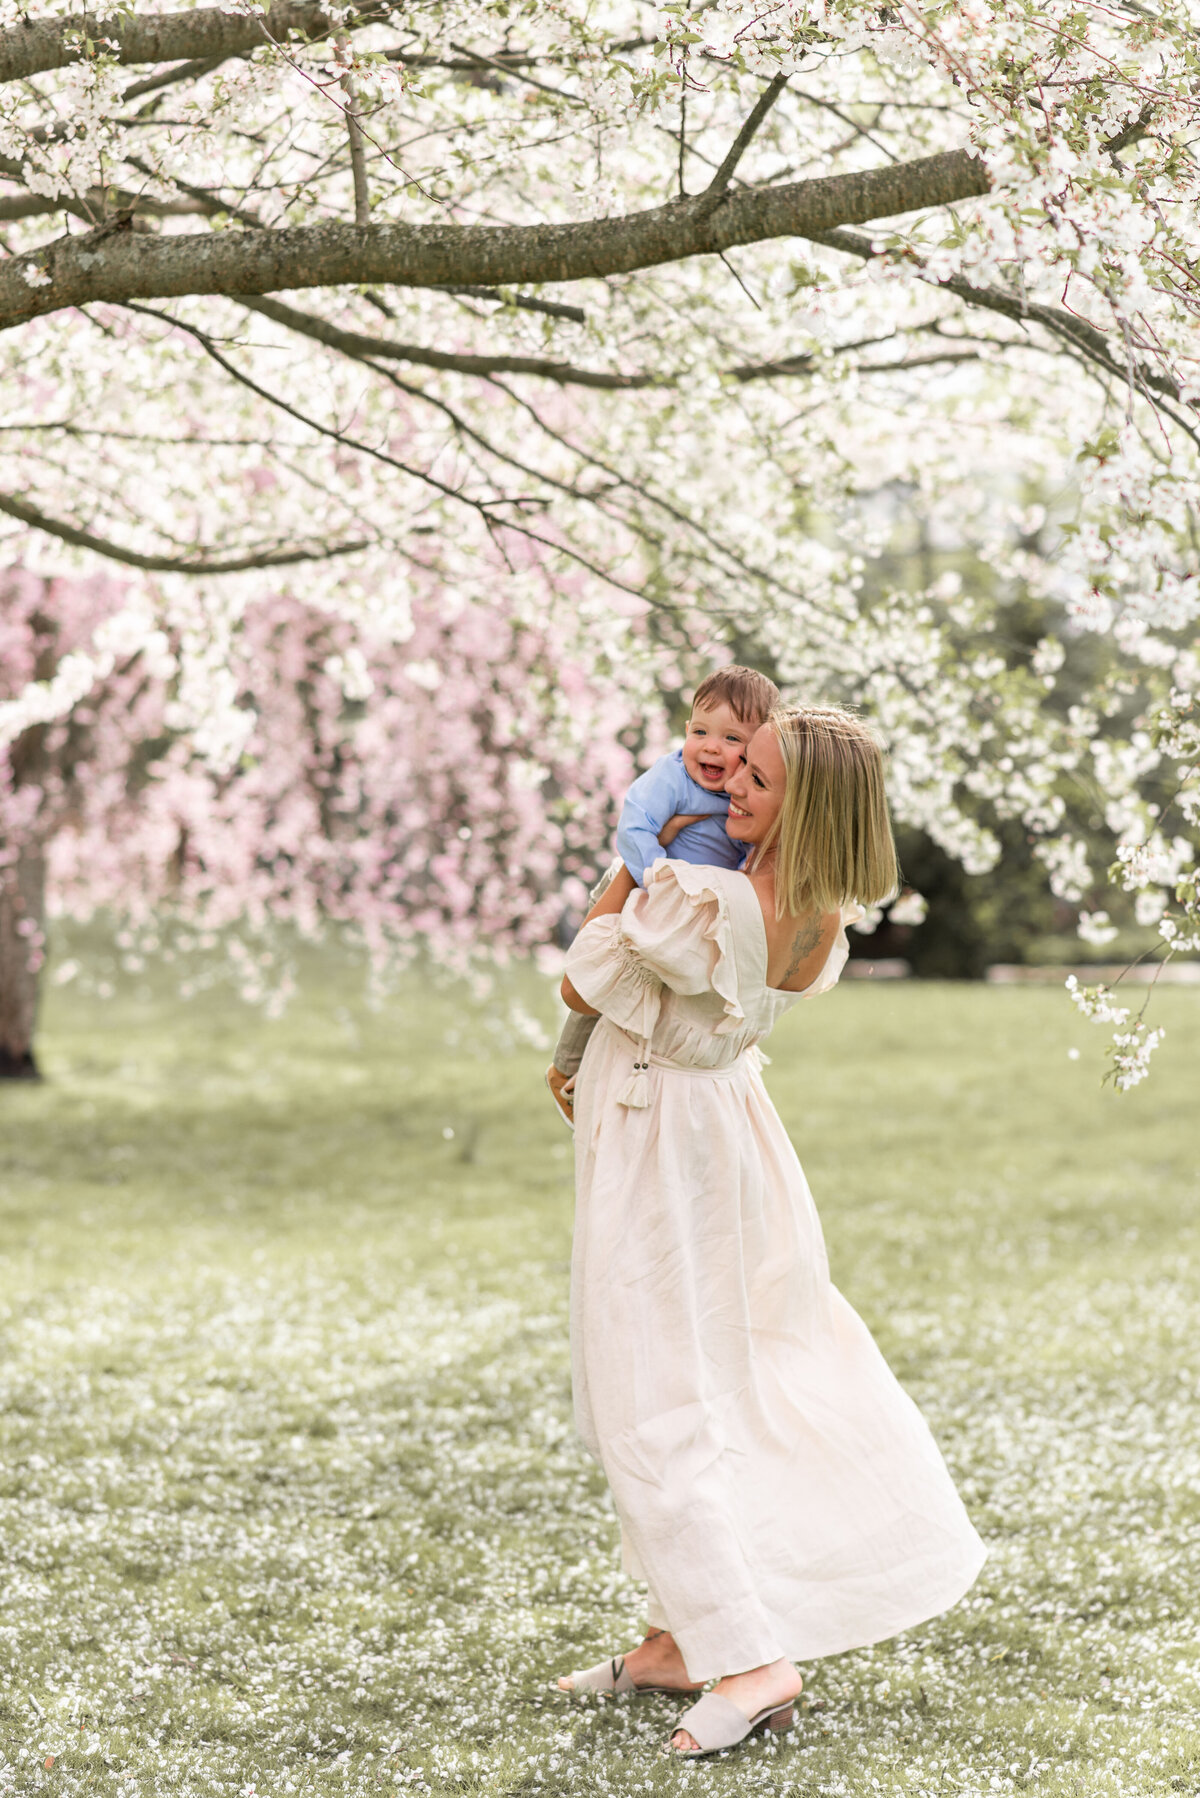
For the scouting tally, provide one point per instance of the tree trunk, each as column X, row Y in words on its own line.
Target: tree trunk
column 22, row 950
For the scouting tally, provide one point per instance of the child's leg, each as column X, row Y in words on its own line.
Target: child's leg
column 573, row 1037
column 572, row 1041
column 602, row 885
column 575, row 1034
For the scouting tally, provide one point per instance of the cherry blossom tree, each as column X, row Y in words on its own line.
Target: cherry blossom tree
column 452, row 788
column 707, row 312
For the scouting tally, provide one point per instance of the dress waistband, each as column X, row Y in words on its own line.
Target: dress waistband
column 749, row 1058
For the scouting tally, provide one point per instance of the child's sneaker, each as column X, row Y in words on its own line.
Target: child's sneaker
column 563, row 1100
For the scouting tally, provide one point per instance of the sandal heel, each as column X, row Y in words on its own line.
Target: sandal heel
column 715, row 1723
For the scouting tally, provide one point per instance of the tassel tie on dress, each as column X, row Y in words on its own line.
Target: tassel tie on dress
column 635, row 1094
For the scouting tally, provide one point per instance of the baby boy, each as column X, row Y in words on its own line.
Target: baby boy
column 678, row 808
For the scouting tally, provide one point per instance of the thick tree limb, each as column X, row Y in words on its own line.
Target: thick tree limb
column 201, row 564
column 34, row 46
column 1130, row 133
column 112, row 266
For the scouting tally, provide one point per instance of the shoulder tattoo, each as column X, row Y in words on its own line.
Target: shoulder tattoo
column 803, row 944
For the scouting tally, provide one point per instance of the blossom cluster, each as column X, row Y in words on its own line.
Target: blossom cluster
column 1132, row 1044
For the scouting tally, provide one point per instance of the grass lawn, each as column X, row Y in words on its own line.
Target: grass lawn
column 290, row 1499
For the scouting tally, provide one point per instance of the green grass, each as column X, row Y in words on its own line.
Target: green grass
column 290, row 1499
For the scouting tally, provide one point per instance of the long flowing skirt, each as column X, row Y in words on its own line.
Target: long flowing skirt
column 778, row 1491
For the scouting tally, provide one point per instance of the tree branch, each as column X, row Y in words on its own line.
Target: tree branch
column 354, row 133
column 714, row 193
column 96, row 202
column 203, row 199
column 132, row 558
column 75, row 270
column 524, row 302
column 724, row 554
column 32, row 206
column 185, row 71
column 1077, row 332
column 34, row 46
column 485, row 509
column 359, row 343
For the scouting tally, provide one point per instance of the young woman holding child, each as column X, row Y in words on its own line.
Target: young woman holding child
column 678, row 808
column 778, row 1492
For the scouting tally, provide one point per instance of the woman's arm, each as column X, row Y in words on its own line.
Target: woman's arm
column 573, row 1002
column 612, row 899
column 673, row 826
column 614, row 895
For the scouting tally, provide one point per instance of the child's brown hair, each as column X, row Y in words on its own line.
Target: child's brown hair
column 750, row 696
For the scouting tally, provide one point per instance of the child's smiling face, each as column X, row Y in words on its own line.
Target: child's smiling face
column 715, row 744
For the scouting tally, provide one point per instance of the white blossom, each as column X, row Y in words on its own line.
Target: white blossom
column 1095, row 927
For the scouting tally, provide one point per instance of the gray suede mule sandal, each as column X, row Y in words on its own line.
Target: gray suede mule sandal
column 611, row 1677
column 714, row 1723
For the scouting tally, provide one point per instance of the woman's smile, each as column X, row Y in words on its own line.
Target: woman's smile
column 755, row 788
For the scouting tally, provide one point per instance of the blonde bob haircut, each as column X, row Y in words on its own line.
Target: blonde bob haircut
column 833, row 837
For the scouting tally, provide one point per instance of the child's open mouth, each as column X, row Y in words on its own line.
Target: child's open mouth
column 712, row 771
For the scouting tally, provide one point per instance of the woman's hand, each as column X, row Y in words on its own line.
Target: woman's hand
column 673, row 826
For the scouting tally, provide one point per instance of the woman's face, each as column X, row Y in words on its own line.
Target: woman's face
column 756, row 789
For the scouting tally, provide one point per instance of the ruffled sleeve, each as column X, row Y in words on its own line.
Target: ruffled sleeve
column 676, row 933
column 682, row 930
column 607, row 971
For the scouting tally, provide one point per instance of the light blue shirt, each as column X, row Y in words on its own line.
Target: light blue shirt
column 657, row 796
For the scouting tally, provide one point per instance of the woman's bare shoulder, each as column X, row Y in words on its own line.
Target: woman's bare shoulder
column 797, row 947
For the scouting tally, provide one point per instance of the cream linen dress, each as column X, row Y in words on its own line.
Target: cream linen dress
column 779, row 1493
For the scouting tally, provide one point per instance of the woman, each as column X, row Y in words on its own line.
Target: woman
column 778, row 1492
